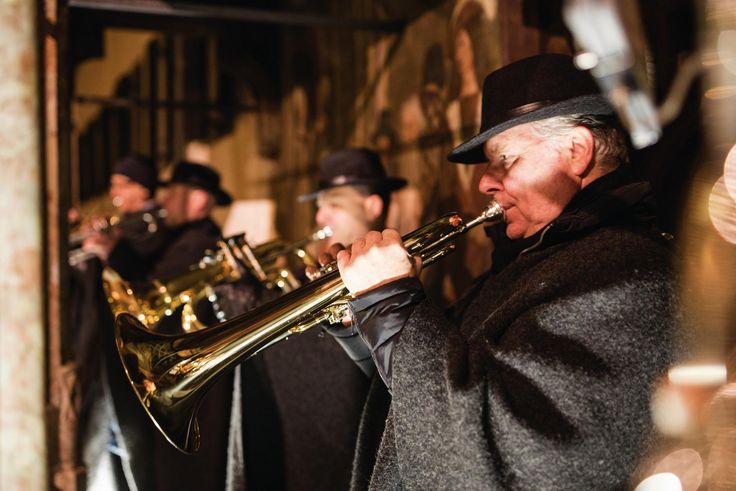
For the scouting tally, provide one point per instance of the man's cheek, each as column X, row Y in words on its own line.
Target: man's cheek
column 355, row 214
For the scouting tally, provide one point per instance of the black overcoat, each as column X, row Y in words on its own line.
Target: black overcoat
column 543, row 377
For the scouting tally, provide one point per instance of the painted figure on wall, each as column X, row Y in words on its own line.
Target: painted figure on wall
column 423, row 138
column 443, row 110
column 473, row 50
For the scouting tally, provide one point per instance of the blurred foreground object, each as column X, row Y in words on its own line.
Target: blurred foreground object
column 597, row 27
column 664, row 481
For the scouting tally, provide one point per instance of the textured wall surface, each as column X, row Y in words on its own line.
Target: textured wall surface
column 22, row 444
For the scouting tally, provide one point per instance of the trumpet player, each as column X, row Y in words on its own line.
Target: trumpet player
column 145, row 459
column 190, row 195
column 353, row 198
column 540, row 378
column 129, row 243
column 307, row 393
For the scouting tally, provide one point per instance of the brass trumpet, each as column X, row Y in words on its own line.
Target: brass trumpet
column 106, row 225
column 170, row 374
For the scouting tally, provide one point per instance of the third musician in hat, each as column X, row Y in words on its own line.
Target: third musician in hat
column 541, row 377
column 353, row 198
column 303, row 397
column 353, row 194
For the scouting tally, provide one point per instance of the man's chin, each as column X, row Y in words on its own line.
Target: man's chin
column 514, row 233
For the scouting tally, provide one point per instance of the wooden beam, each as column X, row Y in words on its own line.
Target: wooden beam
column 172, row 105
column 234, row 14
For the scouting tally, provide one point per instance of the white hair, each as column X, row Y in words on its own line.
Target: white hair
column 611, row 149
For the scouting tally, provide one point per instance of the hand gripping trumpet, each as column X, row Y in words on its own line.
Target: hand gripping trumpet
column 171, row 373
column 150, row 219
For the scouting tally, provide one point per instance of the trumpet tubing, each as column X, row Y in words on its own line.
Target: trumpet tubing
column 152, row 303
column 273, row 258
column 109, row 224
column 171, row 374
column 158, row 300
column 78, row 236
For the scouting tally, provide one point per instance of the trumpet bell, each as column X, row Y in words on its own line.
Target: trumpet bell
column 141, row 353
column 171, row 373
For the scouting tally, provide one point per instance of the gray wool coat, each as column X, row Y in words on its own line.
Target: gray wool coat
column 543, row 378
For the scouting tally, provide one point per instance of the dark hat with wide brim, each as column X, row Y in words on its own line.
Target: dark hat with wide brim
column 528, row 90
column 201, row 177
column 354, row 167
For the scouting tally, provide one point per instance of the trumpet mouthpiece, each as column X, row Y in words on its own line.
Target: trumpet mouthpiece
column 494, row 212
column 324, row 233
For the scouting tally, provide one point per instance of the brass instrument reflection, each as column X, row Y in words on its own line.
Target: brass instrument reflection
column 277, row 259
column 153, row 302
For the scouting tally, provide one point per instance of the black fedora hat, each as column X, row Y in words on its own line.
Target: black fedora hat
column 202, row 177
column 140, row 169
column 531, row 89
column 354, row 167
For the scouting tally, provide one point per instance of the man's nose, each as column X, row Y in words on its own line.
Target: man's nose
column 490, row 182
column 321, row 217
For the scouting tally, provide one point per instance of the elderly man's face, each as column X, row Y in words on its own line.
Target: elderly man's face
column 127, row 195
column 530, row 176
column 184, row 204
column 343, row 210
column 175, row 203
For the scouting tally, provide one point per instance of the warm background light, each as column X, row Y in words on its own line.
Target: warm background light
column 721, row 92
column 686, row 464
column 727, row 50
column 722, row 211
column 729, row 172
column 670, row 412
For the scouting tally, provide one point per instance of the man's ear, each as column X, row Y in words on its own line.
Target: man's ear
column 373, row 205
column 582, row 150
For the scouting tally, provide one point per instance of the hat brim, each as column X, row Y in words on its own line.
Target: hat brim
column 152, row 186
column 222, row 198
column 471, row 152
column 388, row 184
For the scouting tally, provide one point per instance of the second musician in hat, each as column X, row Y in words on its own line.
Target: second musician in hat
column 192, row 192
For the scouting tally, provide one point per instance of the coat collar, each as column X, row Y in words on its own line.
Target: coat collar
column 615, row 199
